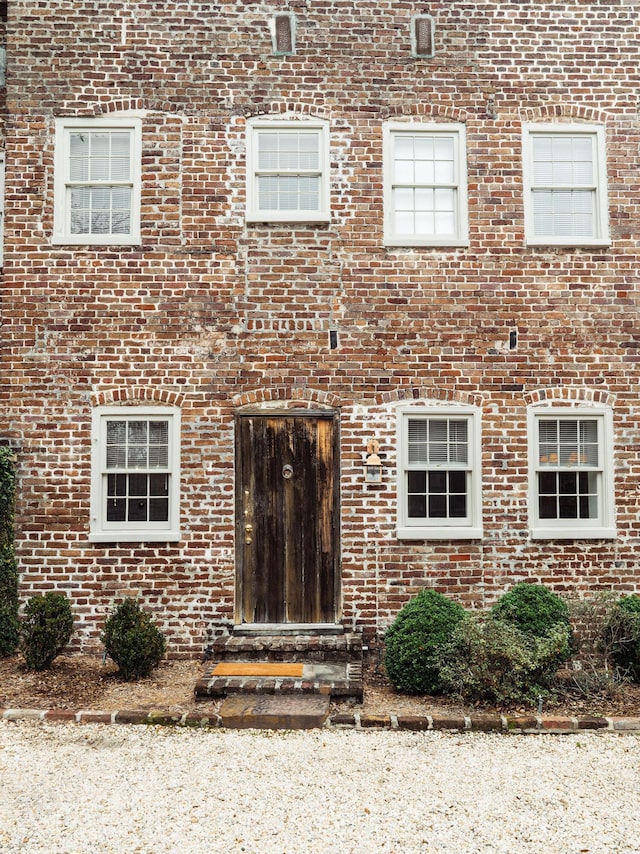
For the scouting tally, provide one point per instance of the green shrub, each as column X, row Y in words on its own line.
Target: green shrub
column 132, row 640
column 494, row 661
column 413, row 640
column 9, row 625
column 46, row 629
column 533, row 608
column 9, row 630
column 621, row 636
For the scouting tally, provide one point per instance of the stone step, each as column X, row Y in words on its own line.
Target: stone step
column 292, row 648
column 274, row 712
column 335, row 679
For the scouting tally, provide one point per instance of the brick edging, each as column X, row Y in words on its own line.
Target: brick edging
column 528, row 724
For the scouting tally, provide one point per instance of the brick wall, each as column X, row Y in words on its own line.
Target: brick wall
column 211, row 313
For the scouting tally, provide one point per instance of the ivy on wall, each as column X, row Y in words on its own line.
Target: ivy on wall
column 8, row 569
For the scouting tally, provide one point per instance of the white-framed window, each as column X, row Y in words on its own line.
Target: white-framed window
column 439, row 475
column 287, row 171
column 571, row 473
column 135, row 485
column 565, row 185
column 425, row 185
column 97, row 181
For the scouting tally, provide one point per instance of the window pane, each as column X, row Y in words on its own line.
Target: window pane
column 458, row 481
column 404, row 223
column 424, row 172
column 547, row 507
column 417, row 506
column 404, row 199
column 158, row 510
column 417, row 481
column 158, row 484
column 437, row 481
column 404, row 172
column 424, row 224
column 137, row 510
column 568, row 506
column 458, row 506
column 138, row 484
column 417, row 435
column 116, row 509
column 547, row 483
column 437, row 506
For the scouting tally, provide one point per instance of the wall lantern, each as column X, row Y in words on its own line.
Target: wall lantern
column 373, row 463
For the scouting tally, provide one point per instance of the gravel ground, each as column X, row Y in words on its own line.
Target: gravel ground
column 150, row 790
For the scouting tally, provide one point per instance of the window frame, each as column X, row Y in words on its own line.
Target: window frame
column 601, row 236
column 604, row 526
column 100, row 529
column 253, row 213
column 439, row 529
column 391, row 132
column 62, row 181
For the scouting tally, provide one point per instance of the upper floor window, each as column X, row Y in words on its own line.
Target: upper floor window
column 287, row 171
column 97, row 181
column 571, row 474
column 135, row 474
column 565, row 185
column 425, row 185
column 439, row 483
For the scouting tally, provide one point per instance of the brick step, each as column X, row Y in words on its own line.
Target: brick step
column 336, row 679
column 292, row 648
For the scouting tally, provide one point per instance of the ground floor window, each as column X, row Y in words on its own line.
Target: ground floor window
column 439, row 474
column 571, row 477
column 135, row 474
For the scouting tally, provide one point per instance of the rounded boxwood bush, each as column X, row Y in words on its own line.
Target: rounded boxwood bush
column 133, row 641
column 46, row 629
column 621, row 636
column 424, row 625
column 533, row 608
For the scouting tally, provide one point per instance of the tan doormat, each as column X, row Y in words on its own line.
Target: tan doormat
column 257, row 668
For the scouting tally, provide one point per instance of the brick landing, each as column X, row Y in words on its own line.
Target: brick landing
column 331, row 679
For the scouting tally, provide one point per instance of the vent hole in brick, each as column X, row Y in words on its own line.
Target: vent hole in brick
column 283, row 34
column 422, row 36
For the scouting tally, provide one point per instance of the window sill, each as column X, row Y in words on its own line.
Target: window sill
column 566, row 243
column 277, row 218
column 135, row 537
column 573, row 533
column 413, row 243
column 124, row 240
column 452, row 533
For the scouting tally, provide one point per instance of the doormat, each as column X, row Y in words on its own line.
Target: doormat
column 257, row 668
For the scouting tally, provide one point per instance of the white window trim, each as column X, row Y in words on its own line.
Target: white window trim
column 602, row 237
column 579, row 529
column 102, row 531
column 253, row 213
column 61, row 231
column 390, row 131
column 436, row 530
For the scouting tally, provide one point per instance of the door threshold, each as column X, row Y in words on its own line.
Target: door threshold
column 258, row 629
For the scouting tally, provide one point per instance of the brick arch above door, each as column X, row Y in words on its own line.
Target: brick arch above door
column 286, row 397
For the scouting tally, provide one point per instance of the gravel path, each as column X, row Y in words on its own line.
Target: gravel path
column 146, row 790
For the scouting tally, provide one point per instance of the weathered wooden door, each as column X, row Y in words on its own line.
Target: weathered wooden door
column 287, row 518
